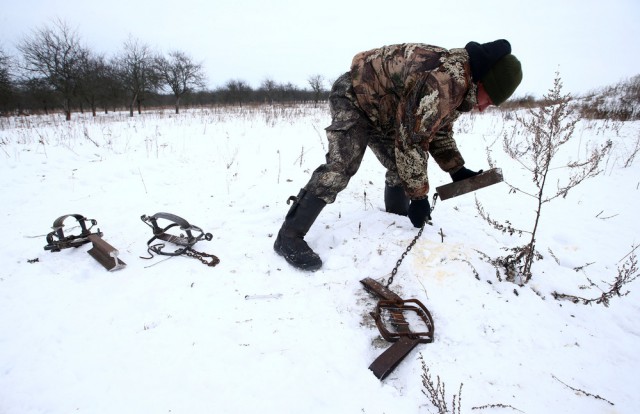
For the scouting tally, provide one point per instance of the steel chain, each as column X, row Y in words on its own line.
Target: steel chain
column 399, row 262
column 413, row 242
column 202, row 257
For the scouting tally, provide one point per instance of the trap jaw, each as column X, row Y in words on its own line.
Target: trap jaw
column 102, row 251
column 394, row 312
column 56, row 240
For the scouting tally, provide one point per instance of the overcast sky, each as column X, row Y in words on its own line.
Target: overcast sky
column 592, row 43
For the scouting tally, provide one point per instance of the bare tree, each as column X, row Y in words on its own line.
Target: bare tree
column 94, row 82
column 237, row 91
column 112, row 90
column 316, row 82
column 55, row 54
column 180, row 73
column 6, row 82
column 135, row 70
column 39, row 94
column 288, row 91
column 269, row 87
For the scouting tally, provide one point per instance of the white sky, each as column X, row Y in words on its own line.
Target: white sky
column 591, row 42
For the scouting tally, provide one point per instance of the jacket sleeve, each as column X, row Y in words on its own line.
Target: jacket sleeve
column 444, row 150
column 425, row 115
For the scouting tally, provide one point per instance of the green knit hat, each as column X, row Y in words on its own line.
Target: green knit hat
column 503, row 79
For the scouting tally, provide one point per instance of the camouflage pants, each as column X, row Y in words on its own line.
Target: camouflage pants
column 349, row 135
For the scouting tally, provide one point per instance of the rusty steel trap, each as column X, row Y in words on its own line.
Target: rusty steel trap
column 403, row 318
column 103, row 252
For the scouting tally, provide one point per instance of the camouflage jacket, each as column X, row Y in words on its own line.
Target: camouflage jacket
column 414, row 92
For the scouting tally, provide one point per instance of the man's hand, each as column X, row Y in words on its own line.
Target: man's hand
column 463, row 173
column 419, row 212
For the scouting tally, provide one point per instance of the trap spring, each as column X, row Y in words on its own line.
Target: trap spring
column 192, row 235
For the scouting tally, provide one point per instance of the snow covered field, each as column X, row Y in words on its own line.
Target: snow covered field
column 253, row 335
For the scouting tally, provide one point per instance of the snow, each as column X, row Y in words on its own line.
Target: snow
column 255, row 335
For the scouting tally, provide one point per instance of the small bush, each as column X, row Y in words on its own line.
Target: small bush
column 536, row 139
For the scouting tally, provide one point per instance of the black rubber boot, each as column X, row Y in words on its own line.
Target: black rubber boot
column 290, row 242
column 396, row 200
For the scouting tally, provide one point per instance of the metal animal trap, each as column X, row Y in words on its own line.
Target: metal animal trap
column 403, row 318
column 406, row 323
column 103, row 252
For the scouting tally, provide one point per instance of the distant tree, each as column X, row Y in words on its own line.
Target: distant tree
column 38, row 94
column 180, row 73
column 288, row 92
column 6, row 82
column 135, row 70
column 317, row 85
column 54, row 53
column 114, row 91
column 94, row 82
column 238, row 91
column 269, row 87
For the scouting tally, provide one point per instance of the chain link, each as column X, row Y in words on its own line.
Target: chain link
column 399, row 262
column 202, row 257
column 413, row 242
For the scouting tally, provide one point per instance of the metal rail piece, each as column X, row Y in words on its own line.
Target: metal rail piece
column 485, row 179
column 105, row 254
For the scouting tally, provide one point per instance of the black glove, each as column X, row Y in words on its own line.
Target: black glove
column 463, row 173
column 419, row 212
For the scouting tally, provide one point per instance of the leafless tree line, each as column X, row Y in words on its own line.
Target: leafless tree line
column 56, row 70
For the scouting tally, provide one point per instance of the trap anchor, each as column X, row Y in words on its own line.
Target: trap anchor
column 186, row 241
column 102, row 251
column 484, row 179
